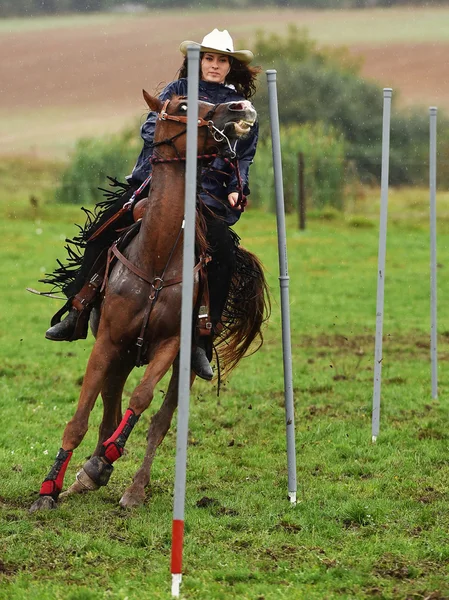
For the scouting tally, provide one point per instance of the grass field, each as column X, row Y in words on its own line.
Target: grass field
column 404, row 24
column 371, row 520
column 68, row 77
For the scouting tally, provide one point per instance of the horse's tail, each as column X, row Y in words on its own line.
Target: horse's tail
column 247, row 308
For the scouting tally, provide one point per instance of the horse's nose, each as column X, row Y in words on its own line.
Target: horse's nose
column 243, row 105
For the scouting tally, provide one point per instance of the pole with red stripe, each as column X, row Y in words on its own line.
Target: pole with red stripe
column 193, row 57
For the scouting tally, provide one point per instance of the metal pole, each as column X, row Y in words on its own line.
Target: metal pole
column 381, row 261
column 193, row 55
column 433, row 248
column 284, row 283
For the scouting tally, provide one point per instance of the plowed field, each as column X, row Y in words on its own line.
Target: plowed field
column 62, row 78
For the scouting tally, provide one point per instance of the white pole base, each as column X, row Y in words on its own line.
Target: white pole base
column 292, row 498
column 176, row 579
column 374, row 439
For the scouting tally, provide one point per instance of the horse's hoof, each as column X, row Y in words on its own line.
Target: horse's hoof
column 43, row 503
column 81, row 485
column 131, row 500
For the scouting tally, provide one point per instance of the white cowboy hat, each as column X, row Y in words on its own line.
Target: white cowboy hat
column 219, row 42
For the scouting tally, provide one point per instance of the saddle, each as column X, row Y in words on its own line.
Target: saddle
column 93, row 291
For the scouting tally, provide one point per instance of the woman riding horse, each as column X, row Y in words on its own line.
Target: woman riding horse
column 145, row 286
column 224, row 77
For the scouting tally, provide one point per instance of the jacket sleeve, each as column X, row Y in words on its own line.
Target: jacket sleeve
column 246, row 150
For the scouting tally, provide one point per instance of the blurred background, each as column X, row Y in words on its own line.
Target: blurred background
column 72, row 72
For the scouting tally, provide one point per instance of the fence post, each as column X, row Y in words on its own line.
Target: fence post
column 433, row 248
column 301, row 192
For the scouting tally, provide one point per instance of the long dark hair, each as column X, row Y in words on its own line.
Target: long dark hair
column 243, row 77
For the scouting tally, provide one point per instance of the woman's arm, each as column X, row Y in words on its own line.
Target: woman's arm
column 246, row 150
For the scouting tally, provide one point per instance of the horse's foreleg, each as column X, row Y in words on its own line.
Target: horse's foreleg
column 111, row 393
column 75, row 430
column 99, row 468
column 160, row 424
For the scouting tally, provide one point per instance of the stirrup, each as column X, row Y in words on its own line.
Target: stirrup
column 57, row 317
column 82, row 325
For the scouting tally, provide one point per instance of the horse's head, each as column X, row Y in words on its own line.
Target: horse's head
column 219, row 125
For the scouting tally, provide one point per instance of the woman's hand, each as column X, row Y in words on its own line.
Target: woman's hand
column 233, row 198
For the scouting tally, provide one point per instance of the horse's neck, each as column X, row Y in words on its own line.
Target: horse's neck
column 162, row 221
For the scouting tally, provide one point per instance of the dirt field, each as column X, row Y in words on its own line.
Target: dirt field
column 63, row 82
column 417, row 72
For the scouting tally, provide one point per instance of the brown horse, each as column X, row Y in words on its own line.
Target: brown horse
column 150, row 276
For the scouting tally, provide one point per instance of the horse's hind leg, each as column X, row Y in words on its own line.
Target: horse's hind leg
column 111, row 393
column 76, row 428
column 160, row 424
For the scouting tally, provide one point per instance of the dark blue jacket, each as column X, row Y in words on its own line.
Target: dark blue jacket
column 220, row 179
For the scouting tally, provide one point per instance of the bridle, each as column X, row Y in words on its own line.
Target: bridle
column 159, row 283
column 217, row 134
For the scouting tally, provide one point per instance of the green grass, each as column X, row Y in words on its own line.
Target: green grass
column 371, row 26
column 371, row 520
column 46, row 23
column 377, row 25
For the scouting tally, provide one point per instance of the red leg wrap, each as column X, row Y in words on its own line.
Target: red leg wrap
column 112, row 452
column 114, row 446
column 54, row 481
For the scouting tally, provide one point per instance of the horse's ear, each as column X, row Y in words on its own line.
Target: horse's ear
column 154, row 103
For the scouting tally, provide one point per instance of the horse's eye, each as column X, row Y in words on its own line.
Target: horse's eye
column 183, row 107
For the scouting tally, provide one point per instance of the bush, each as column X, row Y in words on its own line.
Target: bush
column 324, row 168
column 93, row 161
column 96, row 159
column 320, row 86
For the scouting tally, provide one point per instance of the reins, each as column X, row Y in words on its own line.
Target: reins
column 164, row 116
column 234, row 164
column 158, row 283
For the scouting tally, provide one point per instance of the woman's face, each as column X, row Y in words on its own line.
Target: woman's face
column 215, row 67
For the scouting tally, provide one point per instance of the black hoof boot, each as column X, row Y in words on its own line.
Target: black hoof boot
column 200, row 363
column 98, row 470
column 65, row 330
